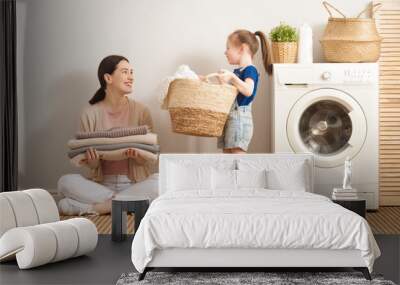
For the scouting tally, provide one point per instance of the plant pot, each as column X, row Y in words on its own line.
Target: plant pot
column 284, row 52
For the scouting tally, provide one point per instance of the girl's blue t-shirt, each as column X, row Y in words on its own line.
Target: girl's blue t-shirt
column 247, row 72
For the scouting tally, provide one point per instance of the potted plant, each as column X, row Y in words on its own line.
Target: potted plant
column 284, row 43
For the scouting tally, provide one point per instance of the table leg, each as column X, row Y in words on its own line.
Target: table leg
column 124, row 224
column 118, row 216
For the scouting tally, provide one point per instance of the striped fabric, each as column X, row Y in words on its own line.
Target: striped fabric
column 114, row 133
column 384, row 221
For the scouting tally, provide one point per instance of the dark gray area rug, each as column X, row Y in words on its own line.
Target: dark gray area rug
column 269, row 278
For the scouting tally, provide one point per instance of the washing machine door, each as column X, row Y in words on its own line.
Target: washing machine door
column 329, row 123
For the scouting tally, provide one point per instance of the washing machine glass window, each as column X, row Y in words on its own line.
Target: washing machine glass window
column 329, row 123
column 325, row 127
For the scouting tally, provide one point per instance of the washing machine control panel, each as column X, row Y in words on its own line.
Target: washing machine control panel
column 331, row 74
column 358, row 75
column 326, row 75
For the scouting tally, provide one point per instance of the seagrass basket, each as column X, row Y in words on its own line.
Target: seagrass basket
column 284, row 52
column 199, row 108
column 351, row 39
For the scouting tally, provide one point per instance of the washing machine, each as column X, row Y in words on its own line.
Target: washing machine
column 330, row 110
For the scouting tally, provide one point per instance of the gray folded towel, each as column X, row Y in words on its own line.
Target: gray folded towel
column 113, row 133
column 147, row 147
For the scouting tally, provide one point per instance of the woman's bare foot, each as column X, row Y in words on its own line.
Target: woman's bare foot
column 103, row 208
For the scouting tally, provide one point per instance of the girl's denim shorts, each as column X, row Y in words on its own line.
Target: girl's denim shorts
column 238, row 129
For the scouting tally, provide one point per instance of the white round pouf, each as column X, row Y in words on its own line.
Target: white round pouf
column 67, row 240
column 87, row 235
column 32, row 246
column 23, row 208
column 45, row 205
column 40, row 244
column 7, row 216
column 31, row 233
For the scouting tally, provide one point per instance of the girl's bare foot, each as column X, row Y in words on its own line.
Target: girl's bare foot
column 237, row 150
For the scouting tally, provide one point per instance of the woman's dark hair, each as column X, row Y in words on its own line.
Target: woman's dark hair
column 107, row 65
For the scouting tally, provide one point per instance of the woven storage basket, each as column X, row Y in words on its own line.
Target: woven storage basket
column 351, row 39
column 199, row 108
column 284, row 52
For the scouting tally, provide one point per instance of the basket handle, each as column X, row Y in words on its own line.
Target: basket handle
column 327, row 6
column 374, row 8
column 210, row 75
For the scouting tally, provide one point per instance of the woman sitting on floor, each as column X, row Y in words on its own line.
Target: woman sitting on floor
column 110, row 108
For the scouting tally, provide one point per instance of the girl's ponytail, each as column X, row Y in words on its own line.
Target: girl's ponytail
column 266, row 52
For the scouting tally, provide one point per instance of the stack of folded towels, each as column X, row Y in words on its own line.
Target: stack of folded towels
column 344, row 194
column 112, row 144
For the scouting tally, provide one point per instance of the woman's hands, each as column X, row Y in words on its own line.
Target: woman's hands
column 134, row 154
column 92, row 158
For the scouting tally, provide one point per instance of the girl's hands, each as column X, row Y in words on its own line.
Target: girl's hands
column 202, row 78
column 225, row 76
column 134, row 154
column 92, row 158
column 245, row 87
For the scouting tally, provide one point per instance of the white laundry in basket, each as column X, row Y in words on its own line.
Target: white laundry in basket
column 183, row 71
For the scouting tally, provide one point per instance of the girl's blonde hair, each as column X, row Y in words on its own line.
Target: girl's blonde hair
column 250, row 39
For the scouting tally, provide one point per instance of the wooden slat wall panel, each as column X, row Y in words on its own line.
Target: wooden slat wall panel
column 388, row 23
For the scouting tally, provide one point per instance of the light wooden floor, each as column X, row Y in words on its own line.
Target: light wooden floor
column 103, row 223
column 384, row 221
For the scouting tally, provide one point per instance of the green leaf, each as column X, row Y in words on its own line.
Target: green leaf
column 283, row 33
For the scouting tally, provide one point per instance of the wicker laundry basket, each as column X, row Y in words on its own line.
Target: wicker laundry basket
column 284, row 52
column 199, row 108
column 351, row 39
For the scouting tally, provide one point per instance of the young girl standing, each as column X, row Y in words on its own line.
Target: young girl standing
column 241, row 47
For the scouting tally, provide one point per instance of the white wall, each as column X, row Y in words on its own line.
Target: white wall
column 60, row 44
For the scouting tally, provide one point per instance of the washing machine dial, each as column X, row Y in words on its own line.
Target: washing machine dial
column 326, row 75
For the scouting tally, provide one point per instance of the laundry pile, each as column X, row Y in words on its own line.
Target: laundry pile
column 112, row 144
column 183, row 71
